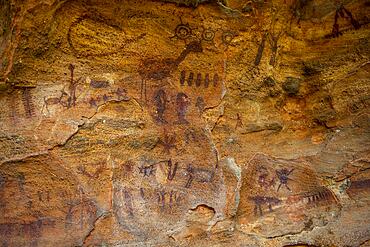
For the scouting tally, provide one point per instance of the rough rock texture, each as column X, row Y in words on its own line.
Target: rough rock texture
column 184, row 123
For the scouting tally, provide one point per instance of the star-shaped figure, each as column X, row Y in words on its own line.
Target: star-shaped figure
column 168, row 143
column 283, row 176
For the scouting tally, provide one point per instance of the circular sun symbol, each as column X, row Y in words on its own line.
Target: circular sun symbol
column 208, row 35
column 227, row 37
column 183, row 31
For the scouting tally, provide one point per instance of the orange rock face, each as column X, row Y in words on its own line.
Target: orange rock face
column 184, row 123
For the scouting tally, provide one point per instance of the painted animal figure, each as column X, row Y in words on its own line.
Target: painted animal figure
column 55, row 101
column 259, row 201
column 153, row 69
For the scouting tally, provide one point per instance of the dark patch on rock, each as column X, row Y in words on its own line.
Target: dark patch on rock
column 248, row 8
column 311, row 68
column 299, row 8
column 323, row 118
column 269, row 81
column 191, row 3
column 291, row 86
column 251, row 128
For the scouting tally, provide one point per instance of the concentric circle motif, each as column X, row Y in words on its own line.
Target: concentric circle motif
column 227, row 37
column 208, row 35
column 182, row 31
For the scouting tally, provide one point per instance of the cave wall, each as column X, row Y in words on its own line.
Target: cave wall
column 184, row 123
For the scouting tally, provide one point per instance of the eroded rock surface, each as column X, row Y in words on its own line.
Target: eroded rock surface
column 184, row 123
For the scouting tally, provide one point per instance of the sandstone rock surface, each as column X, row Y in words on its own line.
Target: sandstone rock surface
column 184, row 123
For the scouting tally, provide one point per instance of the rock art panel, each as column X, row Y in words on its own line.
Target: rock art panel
column 285, row 193
column 47, row 203
column 184, row 123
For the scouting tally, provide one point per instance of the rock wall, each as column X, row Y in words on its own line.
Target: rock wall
column 184, row 123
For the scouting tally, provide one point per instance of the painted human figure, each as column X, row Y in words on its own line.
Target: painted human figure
column 190, row 173
column 122, row 94
column 200, row 105
column 72, row 88
column 160, row 100
column 182, row 103
column 283, row 176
